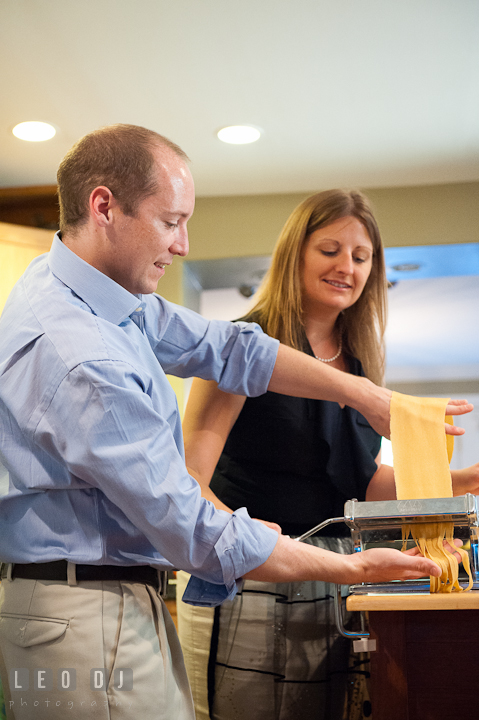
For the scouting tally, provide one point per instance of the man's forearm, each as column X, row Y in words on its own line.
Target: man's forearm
column 301, row 375
column 292, row 561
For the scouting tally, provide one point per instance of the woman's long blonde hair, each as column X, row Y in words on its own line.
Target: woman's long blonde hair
column 279, row 309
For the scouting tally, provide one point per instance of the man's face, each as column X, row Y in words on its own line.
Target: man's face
column 142, row 246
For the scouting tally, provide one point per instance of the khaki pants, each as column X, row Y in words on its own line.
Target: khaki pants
column 195, row 625
column 103, row 650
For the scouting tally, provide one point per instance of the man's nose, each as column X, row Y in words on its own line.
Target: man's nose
column 181, row 245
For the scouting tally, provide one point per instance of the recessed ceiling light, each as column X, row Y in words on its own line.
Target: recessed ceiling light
column 239, row 134
column 406, row 267
column 34, row 131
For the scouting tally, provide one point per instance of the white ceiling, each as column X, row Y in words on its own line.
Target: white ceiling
column 369, row 94
column 366, row 93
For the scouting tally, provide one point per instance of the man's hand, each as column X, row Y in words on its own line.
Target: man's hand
column 375, row 406
column 383, row 565
column 457, row 407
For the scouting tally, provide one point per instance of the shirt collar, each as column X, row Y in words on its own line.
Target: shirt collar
column 103, row 295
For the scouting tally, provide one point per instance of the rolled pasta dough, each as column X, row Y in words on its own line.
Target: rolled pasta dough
column 422, row 453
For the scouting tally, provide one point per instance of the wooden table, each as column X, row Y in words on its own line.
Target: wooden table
column 426, row 665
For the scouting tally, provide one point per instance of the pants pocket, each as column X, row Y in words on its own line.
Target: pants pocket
column 28, row 630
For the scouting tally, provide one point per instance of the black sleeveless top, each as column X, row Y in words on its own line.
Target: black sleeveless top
column 296, row 461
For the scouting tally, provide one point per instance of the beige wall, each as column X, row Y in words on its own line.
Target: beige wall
column 18, row 247
column 249, row 225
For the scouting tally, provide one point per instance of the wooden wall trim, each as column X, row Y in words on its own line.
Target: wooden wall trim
column 10, row 195
column 22, row 235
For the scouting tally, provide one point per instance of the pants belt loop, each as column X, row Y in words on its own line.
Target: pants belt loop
column 9, row 572
column 71, row 574
column 162, row 583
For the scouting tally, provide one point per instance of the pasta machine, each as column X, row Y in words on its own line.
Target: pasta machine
column 380, row 524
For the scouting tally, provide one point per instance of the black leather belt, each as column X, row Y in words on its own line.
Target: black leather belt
column 57, row 570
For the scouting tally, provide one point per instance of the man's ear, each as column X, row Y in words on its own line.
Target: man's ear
column 101, row 204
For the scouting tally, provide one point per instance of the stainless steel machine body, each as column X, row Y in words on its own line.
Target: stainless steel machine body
column 380, row 524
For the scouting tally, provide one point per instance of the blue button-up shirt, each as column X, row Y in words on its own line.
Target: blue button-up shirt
column 90, row 433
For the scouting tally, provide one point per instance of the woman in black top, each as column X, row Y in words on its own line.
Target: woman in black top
column 296, row 461
column 273, row 653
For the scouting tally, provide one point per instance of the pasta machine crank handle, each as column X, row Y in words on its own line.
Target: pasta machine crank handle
column 361, row 642
column 319, row 527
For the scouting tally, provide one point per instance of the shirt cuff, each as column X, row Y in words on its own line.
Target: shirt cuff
column 205, row 594
column 243, row 546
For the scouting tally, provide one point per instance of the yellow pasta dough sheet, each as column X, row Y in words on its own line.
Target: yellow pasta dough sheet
column 422, row 452
column 420, row 448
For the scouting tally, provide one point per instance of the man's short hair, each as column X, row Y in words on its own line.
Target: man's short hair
column 119, row 157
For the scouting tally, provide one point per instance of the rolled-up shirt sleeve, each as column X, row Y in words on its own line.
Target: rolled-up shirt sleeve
column 238, row 356
column 235, row 565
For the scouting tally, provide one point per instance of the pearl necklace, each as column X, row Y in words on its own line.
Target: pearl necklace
column 328, row 360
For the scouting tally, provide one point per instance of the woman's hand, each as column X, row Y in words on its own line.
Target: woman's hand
column 466, row 480
column 272, row 525
column 457, row 542
column 384, row 564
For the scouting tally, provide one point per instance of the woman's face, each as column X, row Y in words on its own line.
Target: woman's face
column 336, row 261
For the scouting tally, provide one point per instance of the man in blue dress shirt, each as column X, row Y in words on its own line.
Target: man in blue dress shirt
column 98, row 498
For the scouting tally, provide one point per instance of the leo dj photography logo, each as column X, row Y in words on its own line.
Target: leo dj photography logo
column 66, row 679
column 33, row 687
